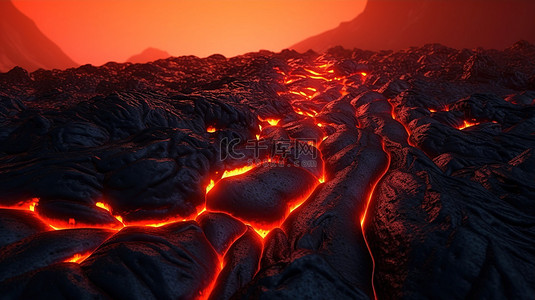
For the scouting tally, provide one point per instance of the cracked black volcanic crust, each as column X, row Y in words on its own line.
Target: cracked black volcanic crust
column 423, row 185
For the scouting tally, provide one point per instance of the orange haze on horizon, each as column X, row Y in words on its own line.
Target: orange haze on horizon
column 98, row 31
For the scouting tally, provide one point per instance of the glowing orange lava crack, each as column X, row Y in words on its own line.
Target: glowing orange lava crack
column 467, row 124
column 33, row 203
column 364, row 215
column 78, row 258
column 272, row 122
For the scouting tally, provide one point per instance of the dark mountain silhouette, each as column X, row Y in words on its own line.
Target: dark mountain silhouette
column 399, row 24
column 148, row 55
column 23, row 44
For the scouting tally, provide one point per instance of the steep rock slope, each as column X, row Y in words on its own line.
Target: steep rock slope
column 23, row 44
column 399, row 24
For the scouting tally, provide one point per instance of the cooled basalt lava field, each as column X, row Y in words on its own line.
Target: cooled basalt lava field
column 344, row 175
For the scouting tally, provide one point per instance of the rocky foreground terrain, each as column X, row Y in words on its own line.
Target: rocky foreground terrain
column 343, row 175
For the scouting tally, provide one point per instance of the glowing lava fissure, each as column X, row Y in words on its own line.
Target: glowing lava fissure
column 464, row 125
column 330, row 96
column 262, row 231
column 369, row 199
column 324, row 74
column 53, row 224
column 467, row 124
column 78, row 258
column 270, row 121
column 24, row 205
column 365, row 214
column 373, row 186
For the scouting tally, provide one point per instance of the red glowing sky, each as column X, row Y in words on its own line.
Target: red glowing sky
column 97, row 31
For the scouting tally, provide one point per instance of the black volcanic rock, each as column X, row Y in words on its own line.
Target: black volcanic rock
column 47, row 248
column 262, row 196
column 221, row 230
column 399, row 24
column 23, row 44
column 173, row 261
column 423, row 179
column 67, row 213
column 16, row 225
column 454, row 245
column 59, row 281
column 241, row 264
column 308, row 277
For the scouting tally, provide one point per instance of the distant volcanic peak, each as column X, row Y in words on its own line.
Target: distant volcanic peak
column 399, row 24
column 148, row 55
column 23, row 44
